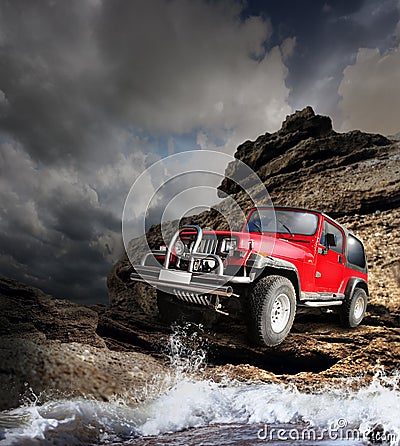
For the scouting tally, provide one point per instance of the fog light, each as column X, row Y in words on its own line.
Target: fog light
column 179, row 248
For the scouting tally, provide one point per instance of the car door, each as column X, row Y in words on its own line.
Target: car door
column 330, row 259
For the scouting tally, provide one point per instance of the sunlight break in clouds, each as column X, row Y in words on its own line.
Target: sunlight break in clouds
column 370, row 93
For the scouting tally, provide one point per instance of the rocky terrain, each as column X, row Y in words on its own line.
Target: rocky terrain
column 53, row 346
column 121, row 351
column 52, row 349
column 353, row 177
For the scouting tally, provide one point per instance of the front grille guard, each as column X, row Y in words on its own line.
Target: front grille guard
column 200, row 284
column 192, row 256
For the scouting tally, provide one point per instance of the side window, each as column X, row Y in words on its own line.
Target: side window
column 355, row 252
column 328, row 227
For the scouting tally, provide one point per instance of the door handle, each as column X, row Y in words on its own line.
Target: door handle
column 340, row 259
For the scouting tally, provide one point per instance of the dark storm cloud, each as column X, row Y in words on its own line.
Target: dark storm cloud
column 72, row 73
column 80, row 221
column 84, row 88
column 49, row 77
column 76, row 274
column 53, row 232
column 176, row 64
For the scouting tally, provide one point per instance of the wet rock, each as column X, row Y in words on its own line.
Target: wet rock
column 54, row 369
column 26, row 311
column 51, row 348
column 125, row 353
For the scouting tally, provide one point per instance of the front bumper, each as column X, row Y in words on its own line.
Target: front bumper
column 176, row 280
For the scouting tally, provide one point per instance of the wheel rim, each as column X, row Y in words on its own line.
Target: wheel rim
column 280, row 313
column 359, row 306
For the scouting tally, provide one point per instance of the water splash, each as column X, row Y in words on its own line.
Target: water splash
column 197, row 403
column 186, row 350
column 193, row 402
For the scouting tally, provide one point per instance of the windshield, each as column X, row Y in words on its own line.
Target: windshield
column 291, row 222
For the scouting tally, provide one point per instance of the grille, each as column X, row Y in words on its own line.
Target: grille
column 193, row 298
column 208, row 245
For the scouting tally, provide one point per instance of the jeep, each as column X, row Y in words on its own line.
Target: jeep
column 285, row 260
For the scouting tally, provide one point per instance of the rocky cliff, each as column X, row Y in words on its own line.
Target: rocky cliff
column 308, row 164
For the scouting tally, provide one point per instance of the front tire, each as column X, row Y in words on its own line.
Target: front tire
column 353, row 309
column 273, row 308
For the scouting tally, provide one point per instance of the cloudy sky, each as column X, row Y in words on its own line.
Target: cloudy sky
column 93, row 91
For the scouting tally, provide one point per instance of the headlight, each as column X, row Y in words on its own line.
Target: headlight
column 228, row 245
column 179, row 248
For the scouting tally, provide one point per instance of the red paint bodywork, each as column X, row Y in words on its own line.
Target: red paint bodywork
column 304, row 253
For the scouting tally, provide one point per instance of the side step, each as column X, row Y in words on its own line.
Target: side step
column 325, row 303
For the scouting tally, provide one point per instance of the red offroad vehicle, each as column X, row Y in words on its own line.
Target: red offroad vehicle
column 283, row 260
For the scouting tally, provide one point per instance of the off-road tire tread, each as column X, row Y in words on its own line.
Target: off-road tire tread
column 263, row 291
column 345, row 308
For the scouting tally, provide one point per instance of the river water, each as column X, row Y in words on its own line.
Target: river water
column 196, row 411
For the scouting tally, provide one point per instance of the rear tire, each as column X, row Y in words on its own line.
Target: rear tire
column 353, row 309
column 273, row 308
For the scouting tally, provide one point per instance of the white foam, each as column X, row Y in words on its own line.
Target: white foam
column 199, row 403
column 194, row 403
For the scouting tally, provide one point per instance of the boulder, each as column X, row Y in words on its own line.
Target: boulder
column 50, row 348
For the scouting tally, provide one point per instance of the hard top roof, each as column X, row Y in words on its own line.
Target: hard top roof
column 298, row 209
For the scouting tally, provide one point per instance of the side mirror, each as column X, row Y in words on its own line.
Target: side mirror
column 330, row 240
